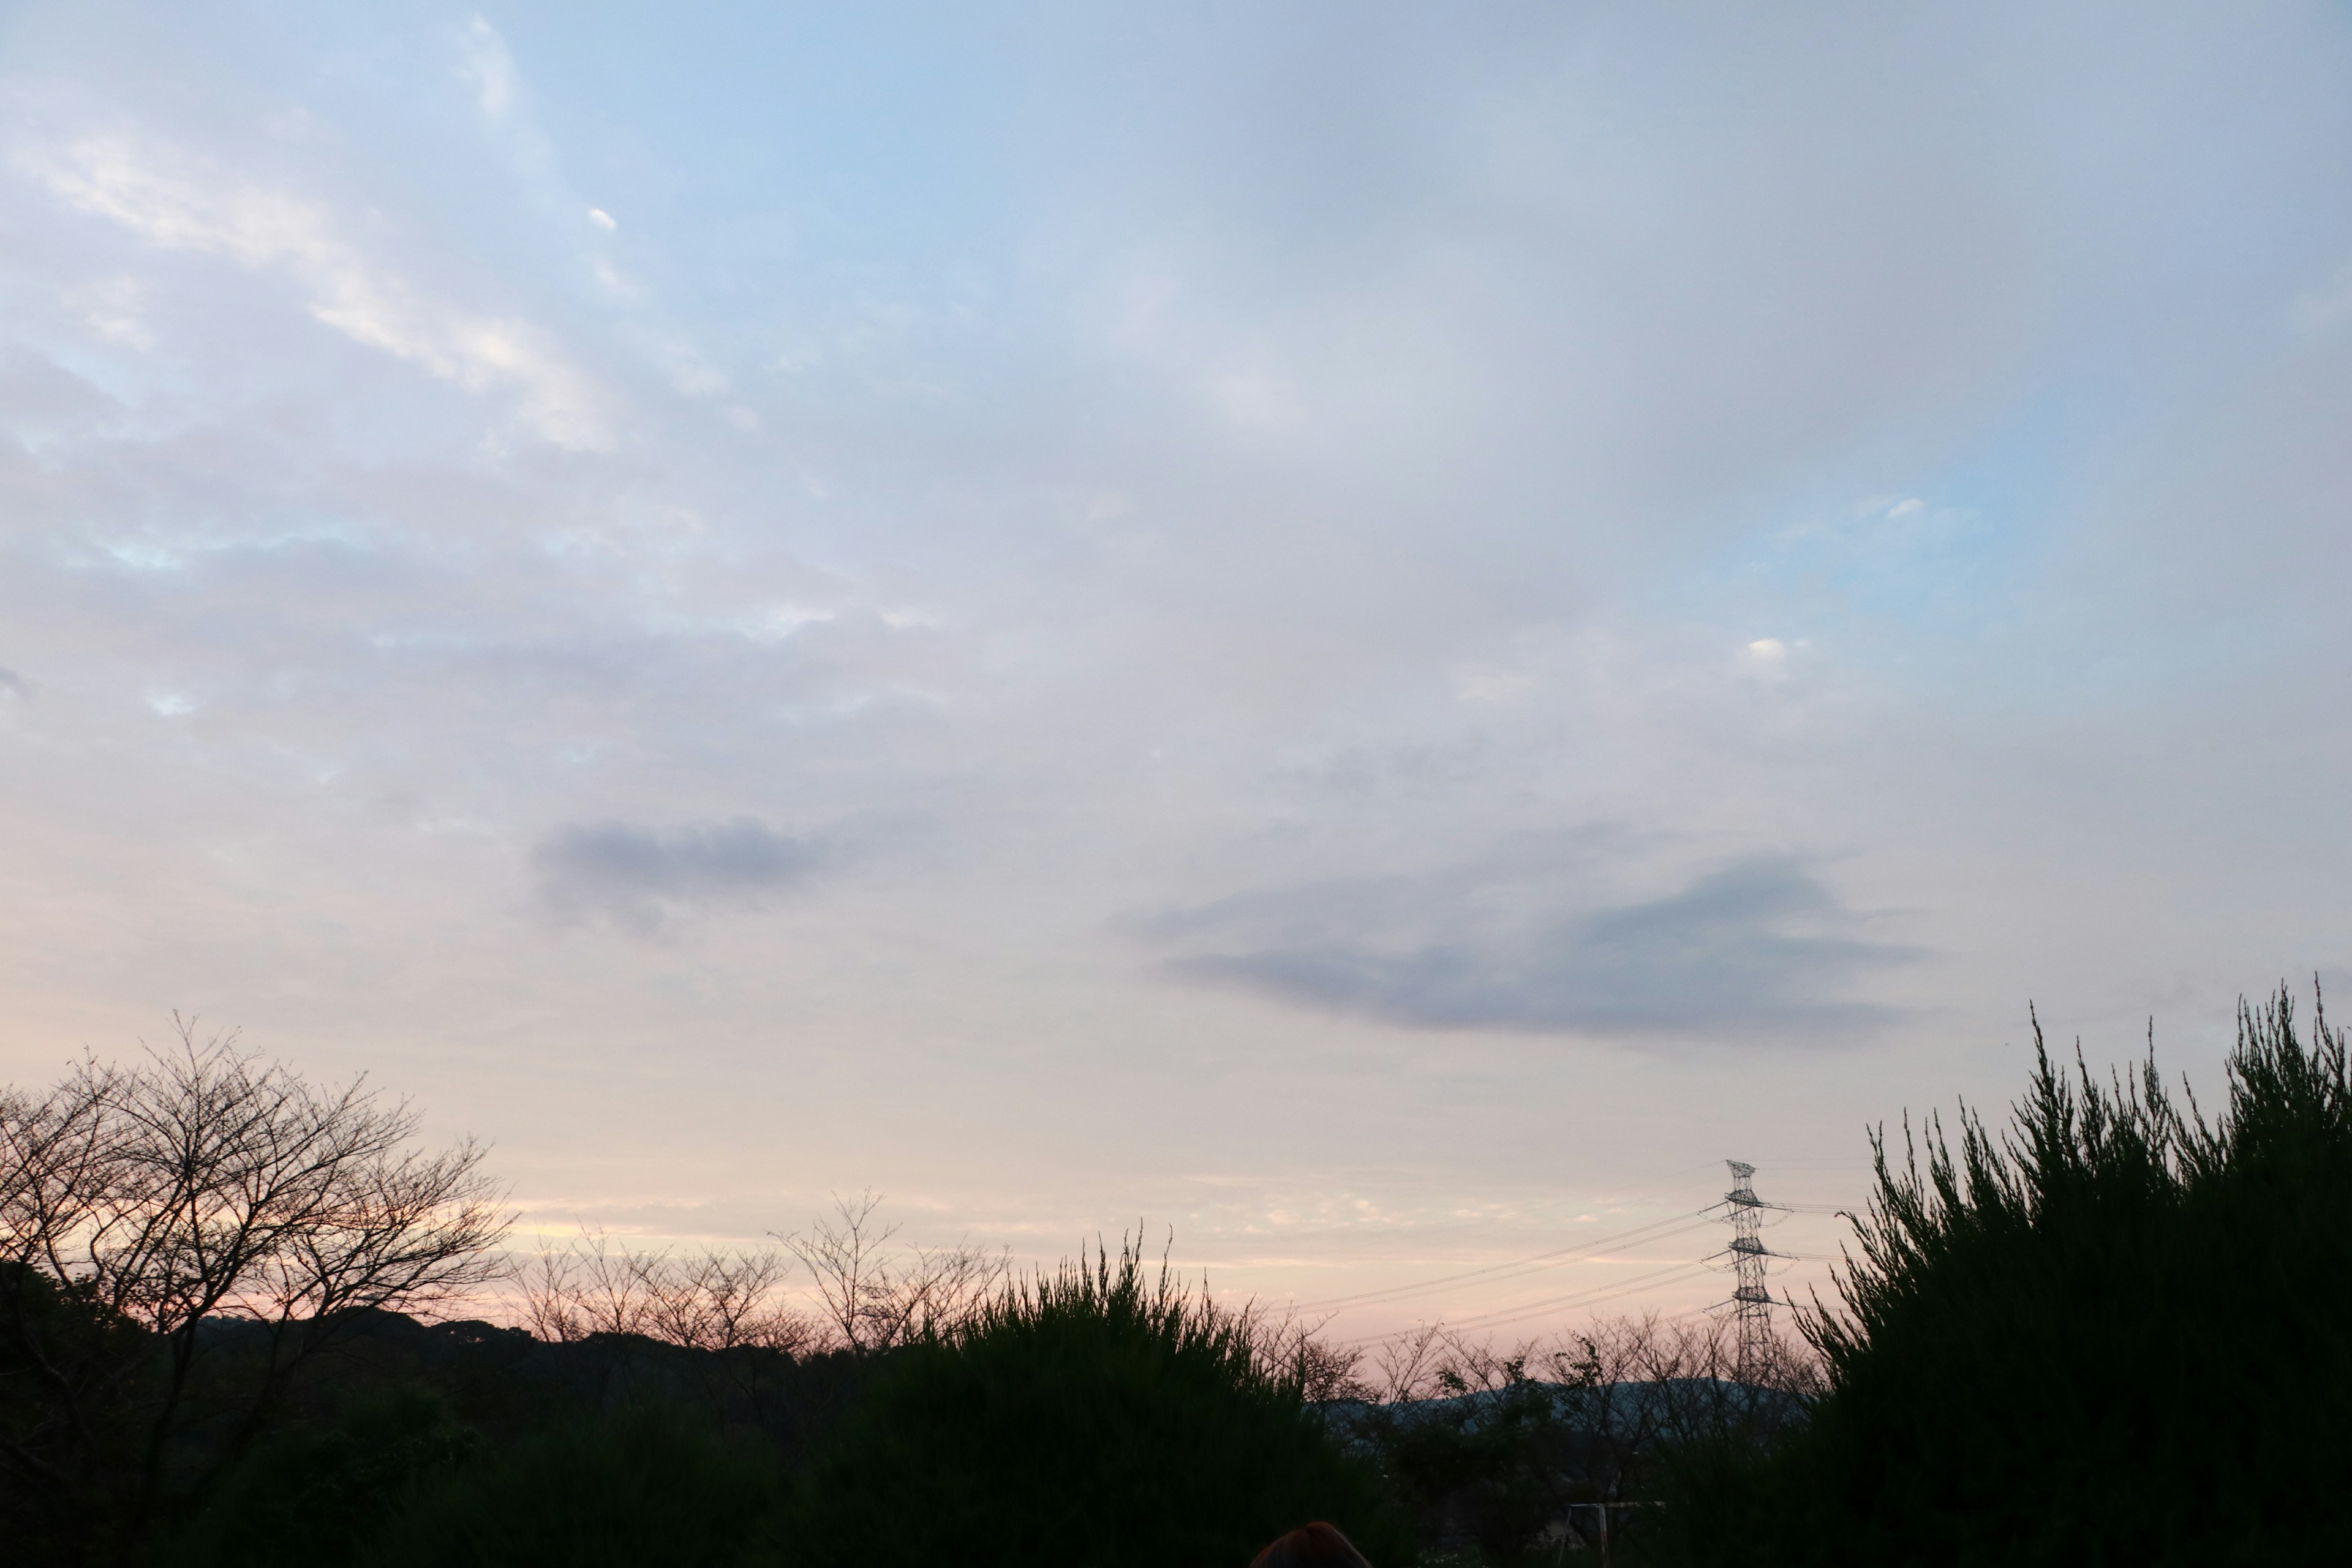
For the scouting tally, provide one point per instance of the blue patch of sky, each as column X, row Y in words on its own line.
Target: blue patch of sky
column 758, row 137
column 1936, row 554
column 1967, row 579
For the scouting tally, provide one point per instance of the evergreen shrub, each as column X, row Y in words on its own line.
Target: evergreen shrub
column 2116, row 1333
column 1093, row 1417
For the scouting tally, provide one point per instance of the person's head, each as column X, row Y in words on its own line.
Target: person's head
column 1316, row 1545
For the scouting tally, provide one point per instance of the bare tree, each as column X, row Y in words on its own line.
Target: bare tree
column 1406, row 1365
column 724, row 1301
column 1575, row 1426
column 709, row 1301
column 844, row 1256
column 869, row 1293
column 137, row 1204
column 931, row 1291
column 1293, row 1350
column 1433, row 1361
column 873, row 1297
column 585, row 1289
column 725, row 1306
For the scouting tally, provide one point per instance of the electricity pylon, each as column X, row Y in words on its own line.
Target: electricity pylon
column 1751, row 1302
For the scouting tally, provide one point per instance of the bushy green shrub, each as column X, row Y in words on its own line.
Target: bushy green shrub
column 1093, row 1417
column 2117, row 1334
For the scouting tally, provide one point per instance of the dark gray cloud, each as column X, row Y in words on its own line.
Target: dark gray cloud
column 1759, row 946
column 641, row 878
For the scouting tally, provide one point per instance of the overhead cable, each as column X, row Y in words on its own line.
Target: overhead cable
column 1531, row 1309
column 1580, row 1252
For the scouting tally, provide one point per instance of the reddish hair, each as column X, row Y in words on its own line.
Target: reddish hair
column 1316, row 1545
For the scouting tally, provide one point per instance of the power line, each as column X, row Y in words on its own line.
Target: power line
column 1587, row 1297
column 1580, row 1252
column 1590, row 1297
column 1751, row 1297
column 1675, row 1275
column 1498, row 1273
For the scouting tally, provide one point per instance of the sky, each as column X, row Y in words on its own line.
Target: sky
column 1367, row 635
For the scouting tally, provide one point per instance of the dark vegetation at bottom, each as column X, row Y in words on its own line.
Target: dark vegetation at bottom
column 1103, row 1415
column 2111, row 1332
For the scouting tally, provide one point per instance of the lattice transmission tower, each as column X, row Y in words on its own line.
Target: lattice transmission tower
column 1751, row 1301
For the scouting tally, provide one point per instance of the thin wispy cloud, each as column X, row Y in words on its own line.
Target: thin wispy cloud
column 490, row 67
column 178, row 201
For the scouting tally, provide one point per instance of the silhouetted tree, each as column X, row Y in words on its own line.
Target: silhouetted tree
column 141, row 1207
column 873, row 1296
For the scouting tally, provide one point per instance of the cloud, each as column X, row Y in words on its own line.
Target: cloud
column 1757, row 947
column 490, row 69
column 1358, row 444
column 13, row 684
column 1766, row 656
column 642, row 878
column 178, row 202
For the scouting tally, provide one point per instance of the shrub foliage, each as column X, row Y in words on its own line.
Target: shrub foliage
column 2114, row 1332
column 1099, row 1415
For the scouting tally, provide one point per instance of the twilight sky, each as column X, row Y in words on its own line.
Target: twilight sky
column 1375, row 633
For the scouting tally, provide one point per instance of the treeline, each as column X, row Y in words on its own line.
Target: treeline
column 1100, row 1413
column 2108, row 1328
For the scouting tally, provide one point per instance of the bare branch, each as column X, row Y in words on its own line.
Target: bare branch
column 713, row 1301
column 873, row 1298
column 204, row 1183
